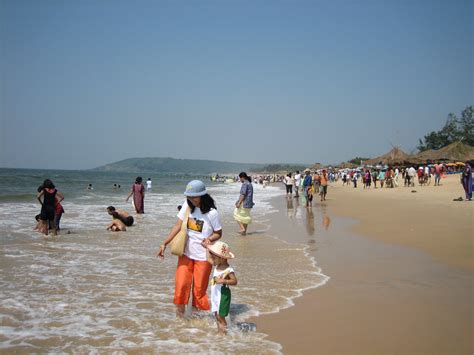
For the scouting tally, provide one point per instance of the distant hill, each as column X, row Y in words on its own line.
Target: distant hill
column 278, row 168
column 171, row 165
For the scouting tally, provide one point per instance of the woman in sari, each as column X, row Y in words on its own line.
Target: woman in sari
column 138, row 192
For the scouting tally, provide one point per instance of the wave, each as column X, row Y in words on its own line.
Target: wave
column 92, row 274
column 20, row 197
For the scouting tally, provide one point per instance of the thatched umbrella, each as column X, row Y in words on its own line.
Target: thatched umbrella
column 454, row 152
column 347, row 165
column 395, row 156
column 429, row 154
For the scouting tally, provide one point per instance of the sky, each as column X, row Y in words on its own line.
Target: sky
column 86, row 83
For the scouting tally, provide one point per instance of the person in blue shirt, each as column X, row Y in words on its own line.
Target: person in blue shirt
column 245, row 203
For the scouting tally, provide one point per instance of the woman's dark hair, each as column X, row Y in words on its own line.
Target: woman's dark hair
column 40, row 188
column 138, row 180
column 245, row 176
column 111, row 208
column 48, row 184
column 207, row 202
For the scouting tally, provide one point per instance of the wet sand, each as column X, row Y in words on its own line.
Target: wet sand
column 401, row 269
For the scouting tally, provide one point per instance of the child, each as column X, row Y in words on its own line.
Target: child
column 59, row 210
column 222, row 276
column 310, row 196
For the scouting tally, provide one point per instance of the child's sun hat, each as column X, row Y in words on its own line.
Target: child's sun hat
column 221, row 250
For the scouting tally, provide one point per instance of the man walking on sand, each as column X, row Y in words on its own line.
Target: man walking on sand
column 323, row 187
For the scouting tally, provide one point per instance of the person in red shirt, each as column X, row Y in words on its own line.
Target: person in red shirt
column 58, row 212
column 438, row 169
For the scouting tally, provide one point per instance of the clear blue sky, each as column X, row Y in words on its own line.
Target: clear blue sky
column 85, row 83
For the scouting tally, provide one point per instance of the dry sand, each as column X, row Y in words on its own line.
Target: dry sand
column 401, row 273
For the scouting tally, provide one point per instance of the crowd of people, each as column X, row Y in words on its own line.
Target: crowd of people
column 311, row 183
column 204, row 250
column 390, row 177
column 368, row 177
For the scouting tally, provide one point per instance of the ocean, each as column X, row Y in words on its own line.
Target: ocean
column 91, row 290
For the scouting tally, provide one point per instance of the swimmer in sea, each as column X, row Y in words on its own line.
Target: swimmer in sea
column 116, row 226
column 121, row 215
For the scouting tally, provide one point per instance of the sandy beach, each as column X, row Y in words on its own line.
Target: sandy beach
column 400, row 265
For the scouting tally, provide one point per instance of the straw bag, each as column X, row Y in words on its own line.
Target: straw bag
column 179, row 241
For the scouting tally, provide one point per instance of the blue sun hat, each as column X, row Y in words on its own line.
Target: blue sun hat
column 195, row 188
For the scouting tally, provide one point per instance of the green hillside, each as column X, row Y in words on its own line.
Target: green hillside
column 171, row 165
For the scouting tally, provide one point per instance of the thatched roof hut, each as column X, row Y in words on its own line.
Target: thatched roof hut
column 347, row 165
column 423, row 157
column 395, row 156
column 454, row 152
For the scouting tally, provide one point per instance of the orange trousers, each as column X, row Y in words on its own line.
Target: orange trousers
column 196, row 273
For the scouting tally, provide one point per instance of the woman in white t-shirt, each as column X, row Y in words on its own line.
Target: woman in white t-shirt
column 203, row 228
column 289, row 181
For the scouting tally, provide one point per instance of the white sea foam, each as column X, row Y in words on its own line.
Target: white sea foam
column 99, row 291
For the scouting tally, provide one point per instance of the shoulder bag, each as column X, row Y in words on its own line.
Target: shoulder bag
column 179, row 241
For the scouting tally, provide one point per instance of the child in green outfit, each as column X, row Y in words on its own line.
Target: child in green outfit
column 222, row 277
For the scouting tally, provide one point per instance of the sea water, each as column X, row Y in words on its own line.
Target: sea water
column 92, row 290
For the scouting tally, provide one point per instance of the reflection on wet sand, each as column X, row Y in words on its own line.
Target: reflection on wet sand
column 292, row 214
column 326, row 218
column 326, row 221
column 310, row 221
column 289, row 207
column 310, row 224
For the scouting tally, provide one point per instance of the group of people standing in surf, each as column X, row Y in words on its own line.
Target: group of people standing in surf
column 203, row 249
column 51, row 209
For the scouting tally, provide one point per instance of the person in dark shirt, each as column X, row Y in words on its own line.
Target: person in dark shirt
column 49, row 197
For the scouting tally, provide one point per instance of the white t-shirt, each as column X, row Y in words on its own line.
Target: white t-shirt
column 297, row 179
column 148, row 184
column 200, row 226
column 216, row 289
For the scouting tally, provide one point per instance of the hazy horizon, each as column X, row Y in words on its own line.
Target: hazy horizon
column 87, row 83
column 220, row 161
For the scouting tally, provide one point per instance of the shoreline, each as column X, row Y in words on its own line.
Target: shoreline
column 388, row 292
